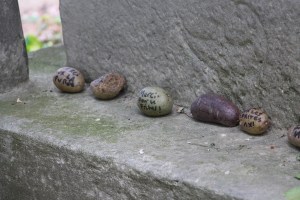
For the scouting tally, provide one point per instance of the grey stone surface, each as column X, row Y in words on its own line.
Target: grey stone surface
column 13, row 55
column 246, row 50
column 55, row 145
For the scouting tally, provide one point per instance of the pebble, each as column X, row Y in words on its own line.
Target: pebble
column 68, row 79
column 215, row 108
column 108, row 86
column 254, row 121
column 155, row 101
column 294, row 135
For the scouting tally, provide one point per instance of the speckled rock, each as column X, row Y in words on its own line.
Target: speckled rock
column 68, row 79
column 108, row 86
column 294, row 135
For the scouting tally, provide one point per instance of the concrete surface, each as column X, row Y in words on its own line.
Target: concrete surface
column 247, row 50
column 13, row 55
column 55, row 145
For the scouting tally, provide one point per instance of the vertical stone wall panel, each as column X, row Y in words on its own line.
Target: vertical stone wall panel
column 13, row 55
column 245, row 50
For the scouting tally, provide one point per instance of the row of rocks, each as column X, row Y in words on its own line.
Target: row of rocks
column 108, row 86
column 155, row 101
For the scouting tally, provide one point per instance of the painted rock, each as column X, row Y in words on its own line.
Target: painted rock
column 155, row 101
column 215, row 109
column 68, row 79
column 108, row 86
column 294, row 135
column 254, row 121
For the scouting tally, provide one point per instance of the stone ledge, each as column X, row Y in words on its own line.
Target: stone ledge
column 72, row 146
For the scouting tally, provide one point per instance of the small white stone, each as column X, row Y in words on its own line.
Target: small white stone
column 141, row 151
column 180, row 109
column 227, row 172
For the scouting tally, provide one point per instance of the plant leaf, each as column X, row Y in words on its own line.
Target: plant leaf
column 293, row 194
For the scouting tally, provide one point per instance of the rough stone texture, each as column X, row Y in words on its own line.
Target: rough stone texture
column 13, row 55
column 247, row 50
column 55, row 145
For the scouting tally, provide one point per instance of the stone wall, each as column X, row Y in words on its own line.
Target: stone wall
column 246, row 50
column 13, row 55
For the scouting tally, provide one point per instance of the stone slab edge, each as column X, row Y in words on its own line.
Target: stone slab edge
column 237, row 167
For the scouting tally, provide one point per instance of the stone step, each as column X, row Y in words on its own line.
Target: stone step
column 55, row 145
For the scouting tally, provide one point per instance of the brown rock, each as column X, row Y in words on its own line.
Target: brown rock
column 108, row 86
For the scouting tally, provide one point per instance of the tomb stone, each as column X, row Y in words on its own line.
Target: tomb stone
column 13, row 55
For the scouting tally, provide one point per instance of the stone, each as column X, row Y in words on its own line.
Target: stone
column 254, row 121
column 61, row 146
column 294, row 135
column 214, row 108
column 246, row 50
column 68, row 79
column 13, row 55
column 155, row 102
column 108, row 86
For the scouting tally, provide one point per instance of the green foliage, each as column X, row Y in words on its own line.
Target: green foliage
column 33, row 43
column 46, row 32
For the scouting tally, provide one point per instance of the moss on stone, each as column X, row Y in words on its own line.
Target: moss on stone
column 59, row 115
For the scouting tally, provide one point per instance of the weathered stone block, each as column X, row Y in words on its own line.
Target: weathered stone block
column 60, row 146
column 245, row 50
column 13, row 55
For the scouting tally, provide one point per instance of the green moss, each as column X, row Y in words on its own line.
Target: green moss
column 57, row 114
